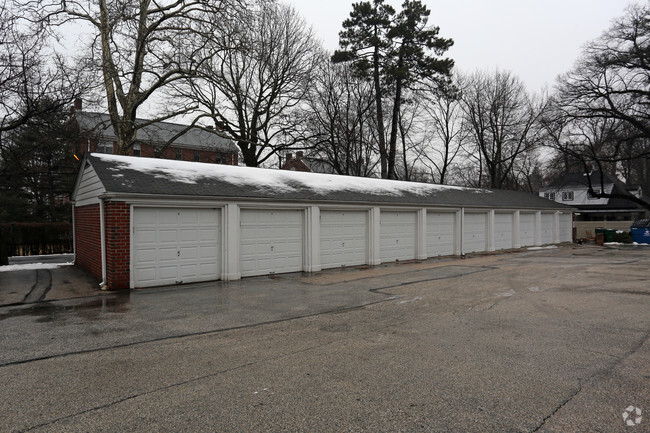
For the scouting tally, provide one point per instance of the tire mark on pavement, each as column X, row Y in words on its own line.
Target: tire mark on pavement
column 41, row 287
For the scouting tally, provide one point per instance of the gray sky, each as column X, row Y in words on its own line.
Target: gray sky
column 536, row 39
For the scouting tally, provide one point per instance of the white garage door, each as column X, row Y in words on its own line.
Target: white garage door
column 173, row 246
column 566, row 228
column 271, row 241
column 474, row 235
column 343, row 238
column 397, row 236
column 526, row 229
column 503, row 231
column 547, row 228
column 441, row 229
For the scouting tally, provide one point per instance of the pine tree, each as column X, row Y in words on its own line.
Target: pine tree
column 396, row 52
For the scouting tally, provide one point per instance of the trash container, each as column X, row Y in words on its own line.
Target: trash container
column 640, row 231
column 609, row 235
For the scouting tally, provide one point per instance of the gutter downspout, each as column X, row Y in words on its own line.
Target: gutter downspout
column 102, row 234
column 74, row 235
column 462, row 231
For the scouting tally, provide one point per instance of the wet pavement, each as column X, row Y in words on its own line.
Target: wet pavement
column 526, row 341
column 128, row 317
column 28, row 286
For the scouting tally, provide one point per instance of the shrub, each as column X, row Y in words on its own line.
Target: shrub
column 623, row 237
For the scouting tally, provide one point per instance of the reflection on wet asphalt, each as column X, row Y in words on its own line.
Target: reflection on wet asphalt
column 47, row 329
column 92, row 309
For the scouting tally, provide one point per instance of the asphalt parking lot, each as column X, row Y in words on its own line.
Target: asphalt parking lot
column 552, row 340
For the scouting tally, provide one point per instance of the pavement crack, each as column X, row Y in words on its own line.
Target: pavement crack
column 590, row 378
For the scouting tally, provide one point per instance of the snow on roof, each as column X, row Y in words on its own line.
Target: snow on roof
column 122, row 175
column 278, row 180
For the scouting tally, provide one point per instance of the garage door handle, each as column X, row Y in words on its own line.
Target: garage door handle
column 178, row 253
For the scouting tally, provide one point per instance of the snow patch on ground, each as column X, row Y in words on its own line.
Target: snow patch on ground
column 406, row 301
column 278, row 180
column 550, row 247
column 534, row 289
column 30, row 266
column 507, row 294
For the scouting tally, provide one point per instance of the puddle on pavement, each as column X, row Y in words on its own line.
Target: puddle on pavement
column 93, row 309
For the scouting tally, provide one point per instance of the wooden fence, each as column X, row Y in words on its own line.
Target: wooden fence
column 29, row 239
column 587, row 229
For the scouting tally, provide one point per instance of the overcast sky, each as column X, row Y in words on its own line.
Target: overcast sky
column 536, row 39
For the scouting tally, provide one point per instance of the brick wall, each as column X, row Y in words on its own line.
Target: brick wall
column 118, row 222
column 88, row 239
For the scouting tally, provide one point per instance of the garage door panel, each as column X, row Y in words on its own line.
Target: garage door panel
column 271, row 241
column 344, row 238
column 566, row 228
column 176, row 244
column 503, row 225
column 397, row 235
column 526, row 229
column 547, row 228
column 167, row 217
column 145, row 236
column 441, row 228
column 474, row 239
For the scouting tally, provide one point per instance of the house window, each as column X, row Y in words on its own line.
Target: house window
column 590, row 196
column 197, row 155
column 136, row 149
column 104, row 147
column 549, row 195
column 567, row 196
column 179, row 154
column 221, row 158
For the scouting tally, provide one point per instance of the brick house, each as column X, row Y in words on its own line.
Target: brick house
column 96, row 134
column 295, row 164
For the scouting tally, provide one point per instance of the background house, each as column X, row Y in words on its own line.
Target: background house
column 616, row 213
column 295, row 164
column 154, row 140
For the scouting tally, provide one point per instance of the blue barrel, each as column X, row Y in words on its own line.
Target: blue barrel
column 640, row 235
column 640, row 231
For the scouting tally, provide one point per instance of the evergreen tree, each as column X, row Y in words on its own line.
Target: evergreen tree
column 396, row 52
column 38, row 169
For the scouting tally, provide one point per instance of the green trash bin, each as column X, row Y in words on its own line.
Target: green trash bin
column 609, row 235
column 600, row 230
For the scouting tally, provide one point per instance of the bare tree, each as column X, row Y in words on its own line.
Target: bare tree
column 603, row 105
column 503, row 120
column 447, row 131
column 611, row 78
column 339, row 121
column 604, row 144
column 258, row 69
column 34, row 79
column 139, row 47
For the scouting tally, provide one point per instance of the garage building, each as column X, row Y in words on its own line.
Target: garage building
column 141, row 222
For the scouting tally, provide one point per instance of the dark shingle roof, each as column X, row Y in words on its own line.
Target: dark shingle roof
column 133, row 175
column 99, row 124
column 580, row 180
